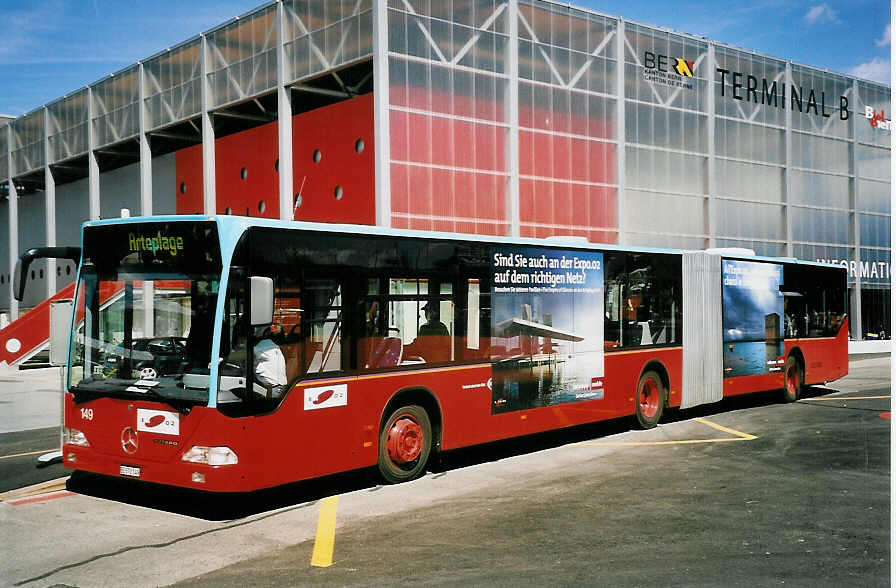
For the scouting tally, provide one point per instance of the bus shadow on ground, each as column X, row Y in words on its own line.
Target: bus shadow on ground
column 215, row 506
column 742, row 402
column 229, row 506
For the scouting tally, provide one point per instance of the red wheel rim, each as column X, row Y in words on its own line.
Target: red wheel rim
column 649, row 398
column 405, row 440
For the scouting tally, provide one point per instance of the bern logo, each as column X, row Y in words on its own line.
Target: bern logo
column 684, row 68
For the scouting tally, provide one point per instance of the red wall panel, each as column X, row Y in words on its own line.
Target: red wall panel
column 464, row 191
column 188, row 175
column 333, row 131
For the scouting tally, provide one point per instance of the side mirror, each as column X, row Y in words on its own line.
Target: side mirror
column 60, row 324
column 24, row 262
column 261, row 291
column 19, row 277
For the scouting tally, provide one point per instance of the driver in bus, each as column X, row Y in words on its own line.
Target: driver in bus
column 268, row 361
column 269, row 364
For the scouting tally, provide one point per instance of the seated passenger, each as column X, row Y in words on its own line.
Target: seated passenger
column 432, row 344
column 433, row 326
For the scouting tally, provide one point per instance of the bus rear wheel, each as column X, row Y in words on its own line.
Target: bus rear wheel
column 793, row 380
column 405, row 444
column 650, row 400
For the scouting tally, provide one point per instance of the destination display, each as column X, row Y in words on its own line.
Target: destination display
column 547, row 327
column 153, row 246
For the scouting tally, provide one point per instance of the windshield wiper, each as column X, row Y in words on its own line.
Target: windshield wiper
column 181, row 405
column 114, row 390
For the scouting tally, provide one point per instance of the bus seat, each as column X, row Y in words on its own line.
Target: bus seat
column 385, row 353
column 291, row 353
column 432, row 348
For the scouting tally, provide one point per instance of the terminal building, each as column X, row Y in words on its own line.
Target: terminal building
column 503, row 117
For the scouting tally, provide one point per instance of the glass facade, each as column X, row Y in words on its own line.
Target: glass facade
column 321, row 36
column 448, row 123
column 533, row 118
column 538, row 119
column 173, row 85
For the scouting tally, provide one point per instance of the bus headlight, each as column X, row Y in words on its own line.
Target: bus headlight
column 74, row 437
column 213, row 456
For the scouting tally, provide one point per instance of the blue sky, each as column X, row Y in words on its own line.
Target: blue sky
column 52, row 47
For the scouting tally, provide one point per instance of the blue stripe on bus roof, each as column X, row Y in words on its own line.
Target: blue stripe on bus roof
column 233, row 226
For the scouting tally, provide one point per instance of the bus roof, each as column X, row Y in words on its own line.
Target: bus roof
column 232, row 227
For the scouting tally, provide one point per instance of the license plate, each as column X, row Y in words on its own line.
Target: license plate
column 129, row 471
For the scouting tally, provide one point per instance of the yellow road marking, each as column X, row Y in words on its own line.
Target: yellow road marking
column 322, row 556
column 845, row 398
column 744, row 436
column 738, row 436
column 28, row 453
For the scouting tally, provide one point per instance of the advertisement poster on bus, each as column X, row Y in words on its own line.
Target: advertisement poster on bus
column 752, row 318
column 547, row 327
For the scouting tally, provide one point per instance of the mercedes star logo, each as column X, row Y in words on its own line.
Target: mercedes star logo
column 129, row 440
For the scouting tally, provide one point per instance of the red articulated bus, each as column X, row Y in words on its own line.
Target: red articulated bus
column 241, row 354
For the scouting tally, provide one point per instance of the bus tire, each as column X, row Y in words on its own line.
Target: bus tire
column 405, row 444
column 793, row 380
column 649, row 399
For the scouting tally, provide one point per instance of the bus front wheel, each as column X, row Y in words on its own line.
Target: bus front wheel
column 650, row 399
column 793, row 380
column 405, row 444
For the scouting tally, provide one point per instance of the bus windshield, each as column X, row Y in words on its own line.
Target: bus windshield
column 144, row 311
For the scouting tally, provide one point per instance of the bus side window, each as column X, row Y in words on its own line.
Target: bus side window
column 406, row 321
column 814, row 301
column 379, row 346
column 642, row 300
column 288, row 329
column 476, row 342
column 322, row 326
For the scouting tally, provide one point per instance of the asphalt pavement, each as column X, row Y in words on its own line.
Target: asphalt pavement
column 793, row 495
